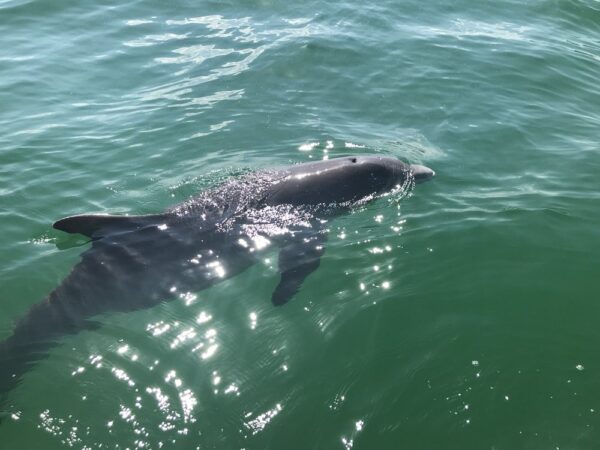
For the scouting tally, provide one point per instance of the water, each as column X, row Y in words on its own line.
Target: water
column 464, row 319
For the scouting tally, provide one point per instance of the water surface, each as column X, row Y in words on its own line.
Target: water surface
column 464, row 318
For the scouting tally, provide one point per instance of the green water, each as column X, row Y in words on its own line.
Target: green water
column 467, row 318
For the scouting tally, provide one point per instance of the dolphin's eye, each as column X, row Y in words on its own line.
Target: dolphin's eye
column 353, row 160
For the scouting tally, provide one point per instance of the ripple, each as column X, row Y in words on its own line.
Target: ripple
column 462, row 28
column 152, row 39
column 195, row 54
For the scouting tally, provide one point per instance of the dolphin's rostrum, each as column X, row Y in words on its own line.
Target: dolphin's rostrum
column 136, row 262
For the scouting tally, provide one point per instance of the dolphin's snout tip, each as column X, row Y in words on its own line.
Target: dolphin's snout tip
column 421, row 173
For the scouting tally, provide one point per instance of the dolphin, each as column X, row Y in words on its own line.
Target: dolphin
column 137, row 262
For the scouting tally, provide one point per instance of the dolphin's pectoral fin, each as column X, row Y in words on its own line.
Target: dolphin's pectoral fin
column 297, row 260
column 98, row 225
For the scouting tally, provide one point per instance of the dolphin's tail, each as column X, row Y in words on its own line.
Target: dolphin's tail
column 33, row 337
column 6, row 381
column 15, row 361
column 12, row 369
column 8, row 378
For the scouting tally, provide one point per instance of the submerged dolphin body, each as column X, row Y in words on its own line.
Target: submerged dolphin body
column 136, row 262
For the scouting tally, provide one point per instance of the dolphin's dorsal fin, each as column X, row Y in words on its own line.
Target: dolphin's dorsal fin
column 98, row 225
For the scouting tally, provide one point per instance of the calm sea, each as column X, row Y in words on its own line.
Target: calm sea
column 466, row 318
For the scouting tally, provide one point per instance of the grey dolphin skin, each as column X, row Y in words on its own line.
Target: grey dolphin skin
column 136, row 262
